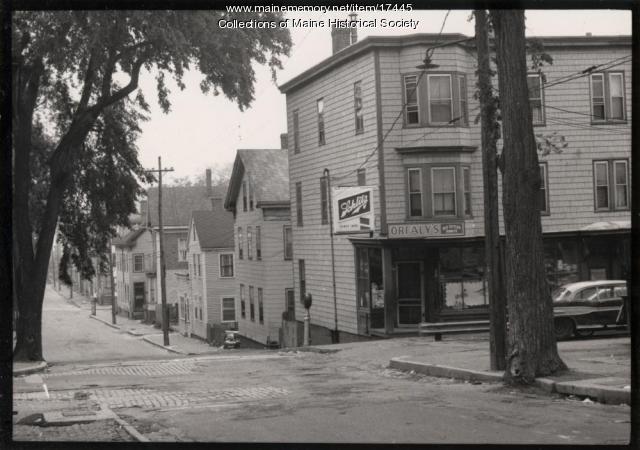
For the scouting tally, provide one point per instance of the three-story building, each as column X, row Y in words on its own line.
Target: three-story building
column 372, row 115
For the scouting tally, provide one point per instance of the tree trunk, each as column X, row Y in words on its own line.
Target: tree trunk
column 532, row 348
column 31, row 265
column 492, row 253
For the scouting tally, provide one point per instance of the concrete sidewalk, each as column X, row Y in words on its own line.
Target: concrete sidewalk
column 178, row 343
column 599, row 368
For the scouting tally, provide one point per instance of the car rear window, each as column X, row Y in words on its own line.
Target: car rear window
column 619, row 291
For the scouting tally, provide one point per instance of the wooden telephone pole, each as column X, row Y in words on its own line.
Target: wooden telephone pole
column 493, row 257
column 163, row 287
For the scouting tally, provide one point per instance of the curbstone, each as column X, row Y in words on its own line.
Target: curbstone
column 602, row 394
column 117, row 327
column 435, row 370
column 172, row 350
column 37, row 367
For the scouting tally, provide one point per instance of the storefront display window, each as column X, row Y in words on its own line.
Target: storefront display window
column 370, row 289
column 561, row 262
column 462, row 278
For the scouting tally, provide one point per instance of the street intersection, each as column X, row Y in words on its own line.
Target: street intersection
column 343, row 394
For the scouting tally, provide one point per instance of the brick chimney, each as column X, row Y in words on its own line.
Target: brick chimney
column 343, row 37
column 208, row 181
column 284, row 141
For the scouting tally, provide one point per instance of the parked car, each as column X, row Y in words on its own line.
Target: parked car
column 581, row 308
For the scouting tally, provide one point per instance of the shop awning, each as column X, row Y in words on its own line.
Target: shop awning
column 608, row 226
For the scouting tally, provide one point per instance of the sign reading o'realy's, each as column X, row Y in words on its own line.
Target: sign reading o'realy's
column 353, row 210
column 425, row 230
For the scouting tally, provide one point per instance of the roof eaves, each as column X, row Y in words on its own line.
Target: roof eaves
column 234, row 183
column 368, row 43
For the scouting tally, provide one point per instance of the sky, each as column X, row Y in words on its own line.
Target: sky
column 205, row 131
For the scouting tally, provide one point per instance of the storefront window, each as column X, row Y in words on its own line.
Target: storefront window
column 561, row 262
column 370, row 289
column 462, row 278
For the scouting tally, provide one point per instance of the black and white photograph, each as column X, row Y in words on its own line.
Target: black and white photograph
column 340, row 223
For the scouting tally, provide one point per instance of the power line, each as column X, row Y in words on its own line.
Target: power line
column 587, row 72
column 402, row 110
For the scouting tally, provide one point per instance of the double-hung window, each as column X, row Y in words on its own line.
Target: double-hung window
column 324, row 212
column 226, row 265
column 290, row 304
column 240, row 244
column 607, row 97
column 252, row 308
column 296, row 132
column 611, row 185
column 320, row 107
column 440, row 99
column 466, row 190
column 138, row 262
column 544, row 189
column 228, row 309
column 243, row 307
column 415, row 192
column 249, row 243
column 303, row 279
column 258, row 244
column 357, row 106
column 412, row 109
column 362, row 177
column 288, row 242
column 534, row 85
column 260, row 307
column 182, row 249
column 244, row 196
column 463, row 113
column 299, row 203
column 443, row 191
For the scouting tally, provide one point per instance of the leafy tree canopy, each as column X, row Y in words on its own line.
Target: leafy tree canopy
column 83, row 123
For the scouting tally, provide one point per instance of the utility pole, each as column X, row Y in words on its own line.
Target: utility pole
column 163, row 288
column 112, row 282
column 493, row 257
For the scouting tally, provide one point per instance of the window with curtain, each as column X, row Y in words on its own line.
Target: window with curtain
column 412, row 109
column 443, row 181
column 415, row 192
column 440, row 99
column 534, row 84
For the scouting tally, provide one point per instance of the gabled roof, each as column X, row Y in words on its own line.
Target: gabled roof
column 269, row 169
column 178, row 202
column 129, row 239
column 214, row 228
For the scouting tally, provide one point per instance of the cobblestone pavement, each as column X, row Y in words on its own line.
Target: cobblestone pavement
column 147, row 368
column 102, row 430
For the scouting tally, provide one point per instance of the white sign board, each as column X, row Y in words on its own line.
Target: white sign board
column 425, row 230
column 353, row 210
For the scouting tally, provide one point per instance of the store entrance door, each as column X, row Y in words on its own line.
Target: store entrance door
column 409, row 293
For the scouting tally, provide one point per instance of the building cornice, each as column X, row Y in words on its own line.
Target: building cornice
column 371, row 42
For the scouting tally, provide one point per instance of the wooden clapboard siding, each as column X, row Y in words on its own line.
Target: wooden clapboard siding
column 570, row 174
column 198, row 291
column 216, row 286
column 272, row 272
column 342, row 154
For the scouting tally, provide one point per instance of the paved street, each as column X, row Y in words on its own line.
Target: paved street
column 348, row 395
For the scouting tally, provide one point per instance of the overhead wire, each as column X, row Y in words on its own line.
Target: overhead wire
column 429, row 52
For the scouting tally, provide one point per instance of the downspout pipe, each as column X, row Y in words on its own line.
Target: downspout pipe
column 336, row 335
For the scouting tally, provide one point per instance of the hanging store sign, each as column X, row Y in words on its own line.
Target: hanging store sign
column 425, row 230
column 353, row 210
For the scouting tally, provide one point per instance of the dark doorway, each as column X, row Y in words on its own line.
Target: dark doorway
column 138, row 297
column 410, row 293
